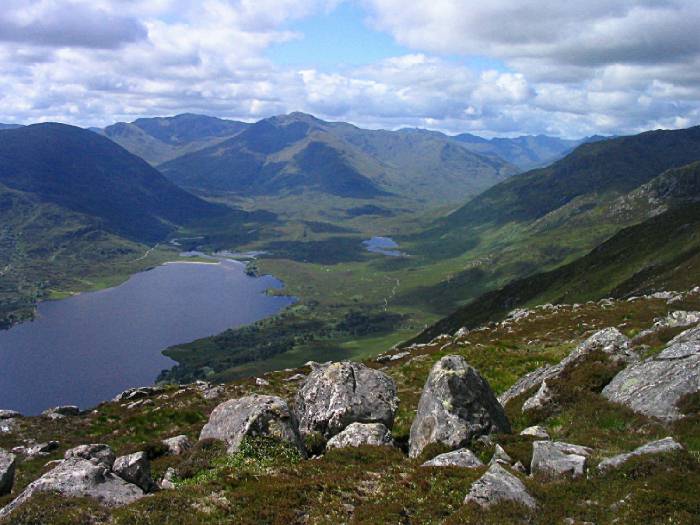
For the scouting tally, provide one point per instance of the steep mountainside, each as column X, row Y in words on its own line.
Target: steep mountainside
column 163, row 138
column 296, row 153
column 88, row 174
column 526, row 152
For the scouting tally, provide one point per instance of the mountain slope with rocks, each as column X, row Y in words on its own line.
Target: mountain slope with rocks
column 334, row 442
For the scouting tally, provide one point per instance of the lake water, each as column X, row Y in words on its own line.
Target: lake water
column 88, row 348
column 383, row 245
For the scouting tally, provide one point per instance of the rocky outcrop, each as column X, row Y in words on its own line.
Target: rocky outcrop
column 609, row 340
column 61, row 412
column 498, row 485
column 456, row 406
column 358, row 434
column 33, row 450
column 654, row 386
column 78, row 477
column 98, row 453
column 134, row 394
column 677, row 319
column 135, row 468
column 554, row 459
column 8, row 463
column 463, row 457
column 9, row 414
column 655, row 447
column 254, row 415
column 338, row 394
column 536, row 431
column 177, row 445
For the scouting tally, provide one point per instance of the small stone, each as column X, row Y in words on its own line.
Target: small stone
column 259, row 381
column 98, row 453
column 295, row 377
column 463, row 457
column 536, row 431
column 540, row 400
column 497, row 485
column 168, row 480
column 556, row 459
column 655, row 447
column 135, row 468
column 358, row 434
column 177, row 445
column 500, row 456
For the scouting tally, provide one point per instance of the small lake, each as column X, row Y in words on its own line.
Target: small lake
column 88, row 348
column 383, row 245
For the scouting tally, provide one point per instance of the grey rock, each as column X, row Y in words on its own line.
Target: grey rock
column 456, row 406
column 609, row 340
column 7, row 425
column 95, row 452
column 655, row 447
column 135, row 468
column 133, row 394
column 338, row 394
column 542, row 398
column 79, row 477
column 457, row 458
column 500, row 456
column 9, row 414
column 259, row 381
column 177, row 445
column 37, row 449
column 498, row 485
column 536, row 431
column 654, row 387
column 554, row 459
column 8, row 462
column 358, row 434
column 215, row 392
column 254, row 415
column 61, row 412
column 295, row 377
column 519, row 467
column 168, row 480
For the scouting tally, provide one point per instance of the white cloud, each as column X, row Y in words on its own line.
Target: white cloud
column 571, row 68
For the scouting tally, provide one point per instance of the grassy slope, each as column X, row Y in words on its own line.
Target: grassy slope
column 268, row 484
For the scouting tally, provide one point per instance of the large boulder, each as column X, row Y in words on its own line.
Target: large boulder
column 654, row 386
column 554, row 459
column 7, row 471
column 463, row 457
column 135, row 468
column 78, row 477
column 358, row 434
column 609, row 340
column 95, row 452
column 254, row 415
column 655, row 447
column 177, row 445
column 456, row 406
column 338, row 394
column 498, row 485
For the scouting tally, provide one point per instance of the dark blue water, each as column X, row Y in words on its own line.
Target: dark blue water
column 86, row 349
column 384, row 245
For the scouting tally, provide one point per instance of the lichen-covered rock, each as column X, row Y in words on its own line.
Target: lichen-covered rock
column 358, row 434
column 456, row 406
column 34, row 450
column 135, row 468
column 463, row 457
column 554, row 459
column 8, row 463
column 95, row 452
column 540, row 400
column 78, row 477
column 338, row 394
column 609, row 340
column 536, row 431
column 655, row 447
column 254, row 415
column 498, row 485
column 653, row 387
column 177, row 445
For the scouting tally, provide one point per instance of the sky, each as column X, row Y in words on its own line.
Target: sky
column 493, row 68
